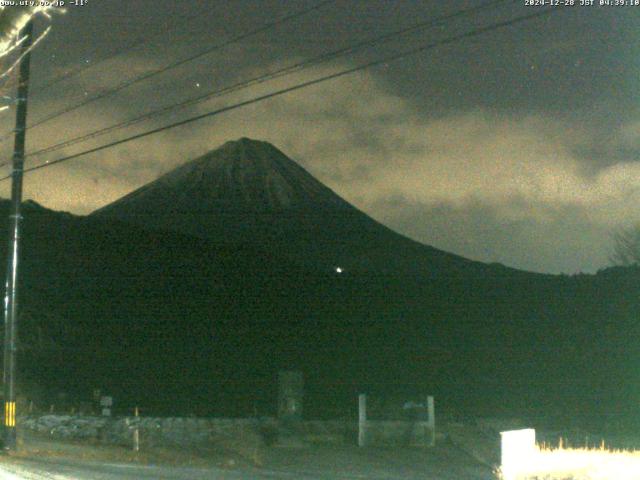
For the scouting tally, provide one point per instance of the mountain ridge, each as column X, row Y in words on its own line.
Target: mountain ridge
column 248, row 191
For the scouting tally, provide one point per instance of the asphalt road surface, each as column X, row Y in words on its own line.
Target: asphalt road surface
column 33, row 469
column 380, row 465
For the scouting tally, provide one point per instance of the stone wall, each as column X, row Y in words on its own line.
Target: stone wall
column 152, row 431
column 188, row 431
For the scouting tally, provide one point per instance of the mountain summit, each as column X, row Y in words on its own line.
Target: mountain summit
column 249, row 192
column 242, row 175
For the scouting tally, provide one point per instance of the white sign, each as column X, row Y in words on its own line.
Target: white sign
column 518, row 451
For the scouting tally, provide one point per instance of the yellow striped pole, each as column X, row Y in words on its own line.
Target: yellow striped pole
column 9, row 414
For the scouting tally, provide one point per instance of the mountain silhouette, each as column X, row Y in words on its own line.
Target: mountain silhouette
column 248, row 191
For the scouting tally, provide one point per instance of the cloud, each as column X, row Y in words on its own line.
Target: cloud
column 492, row 186
column 566, row 242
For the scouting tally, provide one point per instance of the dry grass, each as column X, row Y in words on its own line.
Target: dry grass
column 577, row 464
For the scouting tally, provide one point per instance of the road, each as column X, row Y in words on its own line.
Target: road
column 33, row 468
column 41, row 457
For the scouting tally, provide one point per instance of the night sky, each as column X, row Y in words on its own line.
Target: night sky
column 519, row 146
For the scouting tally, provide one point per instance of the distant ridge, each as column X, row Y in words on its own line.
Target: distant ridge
column 248, row 191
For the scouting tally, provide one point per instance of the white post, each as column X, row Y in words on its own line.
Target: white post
column 362, row 420
column 136, row 440
column 432, row 419
column 136, row 433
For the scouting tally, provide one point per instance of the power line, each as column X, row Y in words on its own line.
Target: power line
column 381, row 61
column 153, row 73
column 272, row 75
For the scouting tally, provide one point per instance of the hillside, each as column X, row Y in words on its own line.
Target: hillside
column 205, row 326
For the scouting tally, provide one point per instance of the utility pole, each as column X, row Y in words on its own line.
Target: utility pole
column 11, row 296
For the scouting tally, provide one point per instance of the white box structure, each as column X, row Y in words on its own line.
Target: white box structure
column 519, row 451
